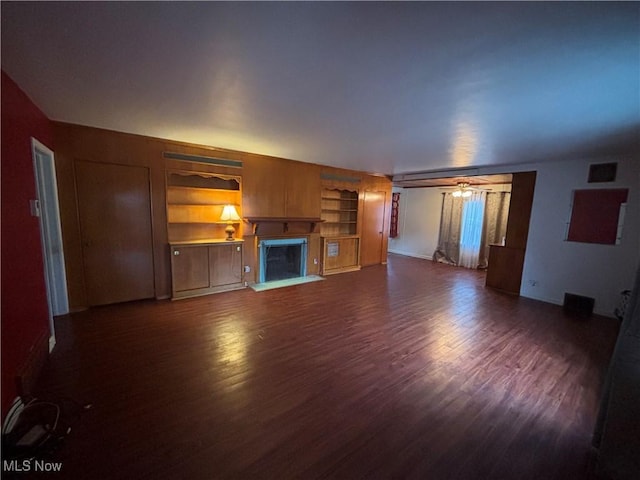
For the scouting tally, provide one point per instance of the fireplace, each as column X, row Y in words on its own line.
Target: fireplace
column 282, row 258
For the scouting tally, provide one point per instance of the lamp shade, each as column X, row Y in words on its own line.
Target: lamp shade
column 229, row 214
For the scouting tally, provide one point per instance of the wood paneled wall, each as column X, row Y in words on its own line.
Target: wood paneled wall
column 506, row 262
column 522, row 188
column 271, row 187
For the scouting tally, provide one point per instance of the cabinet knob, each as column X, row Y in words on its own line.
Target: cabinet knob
column 176, row 252
column 238, row 248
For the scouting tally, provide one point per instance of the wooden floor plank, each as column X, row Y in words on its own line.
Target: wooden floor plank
column 410, row 370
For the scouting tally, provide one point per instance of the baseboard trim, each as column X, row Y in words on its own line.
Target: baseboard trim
column 407, row 254
column 556, row 301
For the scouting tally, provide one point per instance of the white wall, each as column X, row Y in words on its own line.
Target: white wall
column 592, row 270
column 418, row 222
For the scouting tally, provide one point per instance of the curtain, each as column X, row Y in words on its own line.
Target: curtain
column 449, row 237
column 463, row 219
column 471, row 232
column 496, row 212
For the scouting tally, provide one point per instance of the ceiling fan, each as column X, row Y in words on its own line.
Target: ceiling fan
column 464, row 189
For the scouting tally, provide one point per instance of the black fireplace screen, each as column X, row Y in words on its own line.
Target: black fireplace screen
column 282, row 262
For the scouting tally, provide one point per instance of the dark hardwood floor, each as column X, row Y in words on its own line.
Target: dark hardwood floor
column 411, row 370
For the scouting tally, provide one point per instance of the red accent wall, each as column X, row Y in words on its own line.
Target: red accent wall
column 24, row 301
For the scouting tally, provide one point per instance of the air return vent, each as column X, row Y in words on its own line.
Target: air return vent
column 578, row 305
column 199, row 159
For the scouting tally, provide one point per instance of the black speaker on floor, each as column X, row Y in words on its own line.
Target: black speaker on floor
column 578, row 304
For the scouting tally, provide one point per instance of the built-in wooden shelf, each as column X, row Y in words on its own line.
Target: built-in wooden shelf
column 339, row 240
column 341, row 198
column 339, row 209
column 195, row 201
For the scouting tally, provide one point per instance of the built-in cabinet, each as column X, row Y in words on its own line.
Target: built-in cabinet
column 200, row 268
column 203, row 261
column 276, row 188
column 339, row 231
column 340, row 254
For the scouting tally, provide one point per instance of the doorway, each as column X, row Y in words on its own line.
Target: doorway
column 48, row 212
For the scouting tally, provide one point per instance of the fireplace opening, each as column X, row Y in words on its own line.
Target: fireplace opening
column 281, row 259
column 283, row 262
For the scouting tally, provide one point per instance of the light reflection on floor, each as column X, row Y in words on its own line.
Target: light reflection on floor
column 231, row 355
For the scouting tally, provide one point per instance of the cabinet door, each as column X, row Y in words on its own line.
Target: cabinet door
column 225, row 264
column 264, row 190
column 340, row 254
column 190, row 268
column 303, row 190
column 505, row 268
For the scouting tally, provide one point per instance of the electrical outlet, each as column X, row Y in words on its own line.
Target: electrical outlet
column 315, row 261
column 247, row 269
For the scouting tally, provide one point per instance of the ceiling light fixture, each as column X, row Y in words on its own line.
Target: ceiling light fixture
column 462, row 190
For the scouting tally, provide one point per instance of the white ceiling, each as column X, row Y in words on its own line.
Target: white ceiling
column 383, row 87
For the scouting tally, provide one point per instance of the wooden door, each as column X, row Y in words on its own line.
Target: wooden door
column 114, row 207
column 189, row 268
column 225, row 264
column 372, row 228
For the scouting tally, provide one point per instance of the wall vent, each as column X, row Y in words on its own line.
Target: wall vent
column 578, row 305
column 602, row 172
column 200, row 159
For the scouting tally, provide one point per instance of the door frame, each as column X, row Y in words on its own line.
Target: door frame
column 47, row 209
